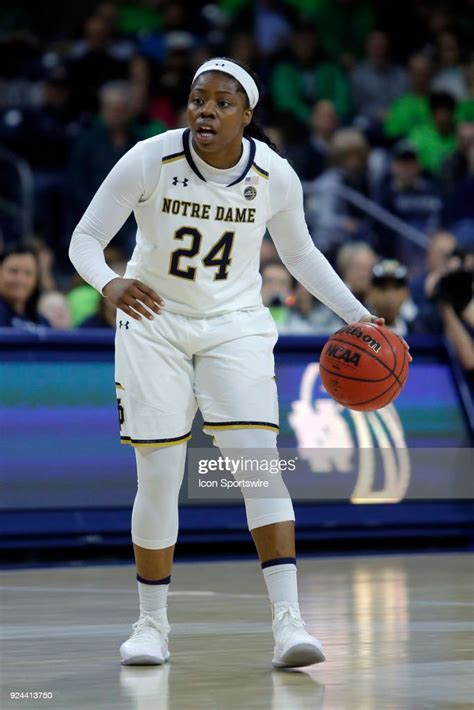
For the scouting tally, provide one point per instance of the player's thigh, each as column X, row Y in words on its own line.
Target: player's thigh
column 155, row 383
column 235, row 379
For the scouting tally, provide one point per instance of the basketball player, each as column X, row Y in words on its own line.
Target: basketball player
column 192, row 330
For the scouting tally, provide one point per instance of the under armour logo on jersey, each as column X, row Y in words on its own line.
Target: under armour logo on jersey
column 185, row 181
column 124, row 324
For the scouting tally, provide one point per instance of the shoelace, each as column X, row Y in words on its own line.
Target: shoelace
column 294, row 617
column 142, row 627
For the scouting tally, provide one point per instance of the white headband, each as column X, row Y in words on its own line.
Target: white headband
column 233, row 69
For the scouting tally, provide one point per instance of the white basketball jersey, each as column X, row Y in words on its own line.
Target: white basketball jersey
column 198, row 243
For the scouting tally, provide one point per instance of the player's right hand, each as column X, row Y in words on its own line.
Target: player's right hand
column 133, row 298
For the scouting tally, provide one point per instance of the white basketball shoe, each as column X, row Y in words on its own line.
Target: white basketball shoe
column 294, row 647
column 148, row 644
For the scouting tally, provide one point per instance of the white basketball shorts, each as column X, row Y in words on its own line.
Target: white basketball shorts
column 167, row 367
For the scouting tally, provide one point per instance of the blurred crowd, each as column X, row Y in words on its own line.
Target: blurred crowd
column 371, row 102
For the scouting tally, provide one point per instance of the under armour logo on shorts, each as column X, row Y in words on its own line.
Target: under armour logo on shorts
column 185, row 181
column 124, row 324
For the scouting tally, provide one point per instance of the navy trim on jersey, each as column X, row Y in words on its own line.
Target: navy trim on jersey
column 173, row 156
column 260, row 170
column 194, row 168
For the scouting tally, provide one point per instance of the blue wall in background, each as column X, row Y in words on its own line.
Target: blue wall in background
column 65, row 476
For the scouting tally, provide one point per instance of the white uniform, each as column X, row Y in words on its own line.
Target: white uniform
column 198, row 246
column 198, row 242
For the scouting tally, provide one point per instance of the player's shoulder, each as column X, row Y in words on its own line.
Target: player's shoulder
column 155, row 152
column 165, row 143
column 273, row 164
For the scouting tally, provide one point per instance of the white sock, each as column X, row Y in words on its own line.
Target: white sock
column 281, row 583
column 153, row 598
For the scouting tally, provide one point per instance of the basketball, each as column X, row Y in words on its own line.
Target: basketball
column 364, row 366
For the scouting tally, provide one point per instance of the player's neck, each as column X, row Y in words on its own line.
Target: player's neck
column 223, row 159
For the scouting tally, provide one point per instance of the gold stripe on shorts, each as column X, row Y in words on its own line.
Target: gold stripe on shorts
column 240, row 425
column 157, row 443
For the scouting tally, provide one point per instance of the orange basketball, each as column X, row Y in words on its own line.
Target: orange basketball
column 364, row 366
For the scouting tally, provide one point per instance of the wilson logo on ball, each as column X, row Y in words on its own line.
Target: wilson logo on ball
column 340, row 353
column 364, row 366
column 357, row 332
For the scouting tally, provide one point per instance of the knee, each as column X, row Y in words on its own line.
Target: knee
column 160, row 470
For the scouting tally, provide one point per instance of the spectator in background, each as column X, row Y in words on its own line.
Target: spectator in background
column 142, row 124
column 144, row 17
column 92, row 64
column 436, row 140
column 343, row 26
column 243, row 48
column 83, row 300
column 146, row 106
column 173, row 77
column 268, row 252
column 309, row 159
column 388, row 292
column 456, row 166
column 42, row 136
column 440, row 247
column 98, row 149
column 52, row 128
column 54, row 307
column 121, row 48
column 18, row 51
column 307, row 316
column 306, row 77
column 411, row 197
column 450, row 74
column 331, row 218
column 354, row 264
column 277, row 285
column 105, row 317
column 46, row 260
column 145, row 76
column 465, row 108
column 271, row 28
column 412, row 109
column 20, row 288
column 376, row 82
column 459, row 211
column 277, row 137
column 453, row 294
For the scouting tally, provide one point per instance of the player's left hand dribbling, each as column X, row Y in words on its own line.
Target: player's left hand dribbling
column 381, row 321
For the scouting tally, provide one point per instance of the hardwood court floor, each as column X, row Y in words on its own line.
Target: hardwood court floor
column 397, row 631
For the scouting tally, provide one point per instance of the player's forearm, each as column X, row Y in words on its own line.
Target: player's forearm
column 87, row 257
column 310, row 267
column 110, row 207
column 303, row 260
column 316, row 274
